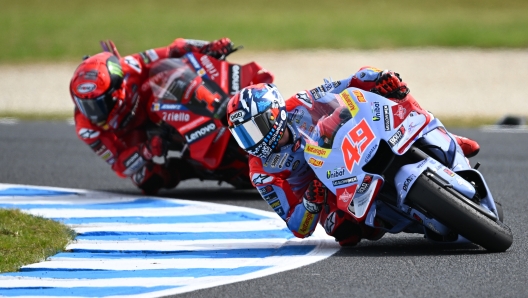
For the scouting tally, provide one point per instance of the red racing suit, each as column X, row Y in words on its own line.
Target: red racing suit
column 283, row 178
column 123, row 147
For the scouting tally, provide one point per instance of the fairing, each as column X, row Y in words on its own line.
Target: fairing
column 366, row 121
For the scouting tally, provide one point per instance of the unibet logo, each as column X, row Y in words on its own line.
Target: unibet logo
column 335, row 173
column 376, row 111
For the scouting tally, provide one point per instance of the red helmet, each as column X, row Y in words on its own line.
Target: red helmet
column 97, row 87
column 256, row 117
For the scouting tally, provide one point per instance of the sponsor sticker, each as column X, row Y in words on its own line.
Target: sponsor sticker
column 283, row 160
column 200, row 132
column 345, row 197
column 234, row 82
column 259, row 179
column 211, row 69
column 279, row 211
column 376, row 111
column 386, row 118
column 345, row 181
column 152, row 55
column 350, row 103
column 86, row 133
column 400, row 112
column 237, row 116
column 317, row 93
column 396, row 138
column 335, row 173
column 272, row 196
column 306, row 223
column 275, row 204
column 305, row 98
column 316, row 150
column 266, row 189
column 275, row 161
column 365, row 184
column 449, row 172
column 86, row 88
column 168, row 107
column 408, row 181
column 176, row 117
column 315, row 162
column 295, row 165
column 360, row 97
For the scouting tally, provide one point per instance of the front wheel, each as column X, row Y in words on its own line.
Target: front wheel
column 444, row 205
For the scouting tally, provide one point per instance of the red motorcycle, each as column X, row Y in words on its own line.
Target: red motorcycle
column 191, row 95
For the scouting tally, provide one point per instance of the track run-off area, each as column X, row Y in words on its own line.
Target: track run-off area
column 132, row 246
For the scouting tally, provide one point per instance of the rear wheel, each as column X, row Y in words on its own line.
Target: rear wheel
column 447, row 206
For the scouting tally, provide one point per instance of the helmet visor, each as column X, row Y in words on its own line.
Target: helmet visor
column 97, row 109
column 251, row 132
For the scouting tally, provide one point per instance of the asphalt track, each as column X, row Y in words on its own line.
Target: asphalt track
column 49, row 154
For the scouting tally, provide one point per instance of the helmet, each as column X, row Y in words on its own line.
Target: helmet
column 256, row 117
column 96, row 87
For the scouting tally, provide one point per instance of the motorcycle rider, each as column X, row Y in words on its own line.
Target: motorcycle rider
column 270, row 129
column 112, row 95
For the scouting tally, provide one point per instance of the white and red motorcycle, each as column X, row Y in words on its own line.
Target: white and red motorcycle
column 396, row 163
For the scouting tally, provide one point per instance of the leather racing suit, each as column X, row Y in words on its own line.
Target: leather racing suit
column 121, row 144
column 283, row 178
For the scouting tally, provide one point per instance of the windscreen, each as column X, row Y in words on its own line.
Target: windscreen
column 170, row 78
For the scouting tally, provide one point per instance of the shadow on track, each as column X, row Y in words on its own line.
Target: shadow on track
column 408, row 246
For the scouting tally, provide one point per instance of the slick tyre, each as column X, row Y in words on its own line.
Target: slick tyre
column 444, row 205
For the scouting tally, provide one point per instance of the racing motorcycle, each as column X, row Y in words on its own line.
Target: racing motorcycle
column 395, row 166
column 191, row 95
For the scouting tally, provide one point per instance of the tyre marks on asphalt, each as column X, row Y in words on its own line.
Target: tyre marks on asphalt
column 150, row 247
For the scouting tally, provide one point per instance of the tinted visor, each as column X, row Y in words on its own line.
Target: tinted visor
column 253, row 131
column 98, row 109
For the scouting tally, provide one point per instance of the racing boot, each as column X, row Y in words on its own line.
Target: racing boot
column 365, row 232
column 347, row 232
column 469, row 147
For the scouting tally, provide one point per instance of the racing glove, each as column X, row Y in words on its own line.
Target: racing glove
column 155, row 146
column 390, row 85
column 218, row 49
column 314, row 197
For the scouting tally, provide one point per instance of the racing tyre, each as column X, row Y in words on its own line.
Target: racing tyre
column 446, row 205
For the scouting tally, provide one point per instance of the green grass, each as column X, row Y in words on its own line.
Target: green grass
column 26, row 239
column 36, row 30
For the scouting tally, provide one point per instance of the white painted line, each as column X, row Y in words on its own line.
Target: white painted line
column 261, row 225
column 154, row 247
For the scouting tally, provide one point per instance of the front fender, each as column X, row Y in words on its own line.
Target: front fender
column 407, row 175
